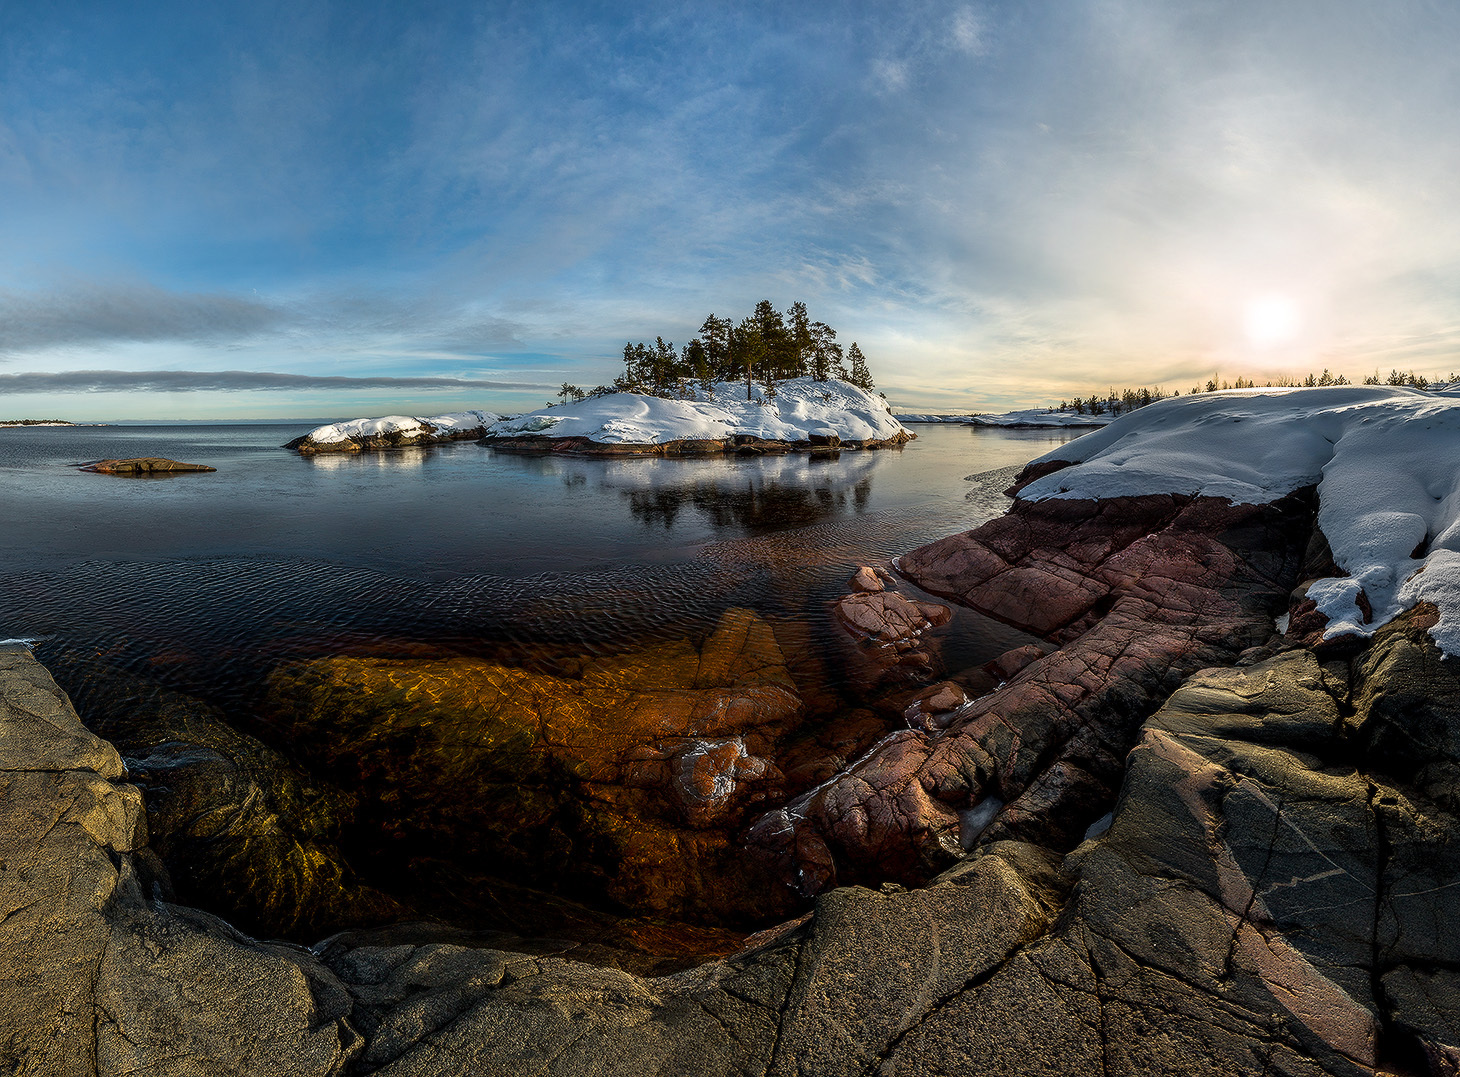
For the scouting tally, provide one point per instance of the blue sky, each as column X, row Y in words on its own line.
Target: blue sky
column 205, row 210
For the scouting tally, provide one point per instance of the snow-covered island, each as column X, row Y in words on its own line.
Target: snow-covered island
column 36, row 422
column 1385, row 461
column 394, row 432
column 803, row 414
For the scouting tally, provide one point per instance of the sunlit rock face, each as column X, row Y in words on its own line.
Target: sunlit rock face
column 624, row 778
column 1133, row 594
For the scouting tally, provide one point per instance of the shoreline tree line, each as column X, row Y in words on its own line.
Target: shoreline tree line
column 1115, row 402
column 762, row 348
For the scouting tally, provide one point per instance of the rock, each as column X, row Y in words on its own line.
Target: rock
column 1136, row 593
column 888, row 617
column 1011, row 663
column 866, row 579
column 101, row 978
column 241, row 831
column 628, row 781
column 932, row 707
column 144, row 465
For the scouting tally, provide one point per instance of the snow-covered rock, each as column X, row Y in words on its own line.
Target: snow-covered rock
column 1386, row 462
column 394, row 431
column 1040, row 417
column 801, row 408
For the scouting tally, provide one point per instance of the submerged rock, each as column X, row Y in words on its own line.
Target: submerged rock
column 627, row 778
column 240, row 829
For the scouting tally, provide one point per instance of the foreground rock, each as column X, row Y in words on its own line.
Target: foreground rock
column 144, row 465
column 1134, row 594
column 99, row 977
column 236, row 825
column 1256, row 904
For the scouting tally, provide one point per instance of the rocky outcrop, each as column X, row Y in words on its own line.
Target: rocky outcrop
column 1271, row 893
column 102, row 978
column 624, row 777
column 143, row 465
column 1132, row 594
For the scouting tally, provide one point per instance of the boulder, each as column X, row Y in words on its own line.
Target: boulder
column 143, row 465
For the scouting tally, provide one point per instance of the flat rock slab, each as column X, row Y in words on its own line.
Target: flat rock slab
column 144, row 465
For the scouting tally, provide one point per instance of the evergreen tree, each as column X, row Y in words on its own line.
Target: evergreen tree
column 859, row 375
column 802, row 346
column 825, row 351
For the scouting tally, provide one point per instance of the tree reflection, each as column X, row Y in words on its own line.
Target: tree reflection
column 756, row 503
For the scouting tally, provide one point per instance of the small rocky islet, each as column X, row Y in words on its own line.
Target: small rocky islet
column 1174, row 838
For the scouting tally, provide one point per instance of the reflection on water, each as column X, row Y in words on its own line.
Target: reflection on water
column 758, row 504
column 412, row 458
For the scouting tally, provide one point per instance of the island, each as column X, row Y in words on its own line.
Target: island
column 797, row 415
column 1208, row 824
column 35, row 422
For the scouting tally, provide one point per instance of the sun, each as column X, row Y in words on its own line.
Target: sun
column 1272, row 320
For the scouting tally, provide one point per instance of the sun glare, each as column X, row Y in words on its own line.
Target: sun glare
column 1271, row 320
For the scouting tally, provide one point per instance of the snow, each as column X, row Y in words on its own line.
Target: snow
column 1031, row 417
column 800, row 408
column 1040, row 417
column 440, row 427
column 1386, row 461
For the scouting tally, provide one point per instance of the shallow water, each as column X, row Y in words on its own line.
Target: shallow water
column 456, row 543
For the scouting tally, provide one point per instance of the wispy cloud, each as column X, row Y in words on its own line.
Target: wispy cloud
column 195, row 381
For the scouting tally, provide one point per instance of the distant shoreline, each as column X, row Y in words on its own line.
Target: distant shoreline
column 37, row 422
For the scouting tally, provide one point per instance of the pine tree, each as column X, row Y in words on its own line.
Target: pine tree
column 859, row 376
column 802, row 346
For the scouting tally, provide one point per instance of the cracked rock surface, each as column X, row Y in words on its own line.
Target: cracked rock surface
column 1135, row 594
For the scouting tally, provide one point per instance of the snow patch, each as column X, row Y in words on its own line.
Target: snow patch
column 1386, row 462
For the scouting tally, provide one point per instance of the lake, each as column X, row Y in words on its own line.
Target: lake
column 455, row 542
column 208, row 584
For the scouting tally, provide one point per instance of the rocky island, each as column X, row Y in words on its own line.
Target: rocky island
column 1206, row 826
column 801, row 414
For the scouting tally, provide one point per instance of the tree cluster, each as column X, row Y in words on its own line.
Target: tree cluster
column 1115, row 403
column 763, row 348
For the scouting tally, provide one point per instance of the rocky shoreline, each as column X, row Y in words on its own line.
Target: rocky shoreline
column 1175, row 840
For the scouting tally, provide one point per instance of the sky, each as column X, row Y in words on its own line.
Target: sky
column 254, row 210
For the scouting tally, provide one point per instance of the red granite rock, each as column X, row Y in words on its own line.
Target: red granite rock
column 1133, row 593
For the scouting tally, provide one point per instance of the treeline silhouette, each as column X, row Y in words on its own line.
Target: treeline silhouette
column 1116, row 403
column 763, row 348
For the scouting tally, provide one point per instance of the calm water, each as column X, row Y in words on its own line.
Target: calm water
column 205, row 580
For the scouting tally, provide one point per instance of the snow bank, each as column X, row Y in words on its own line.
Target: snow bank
column 405, row 428
column 801, row 407
column 926, row 417
column 1386, row 461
